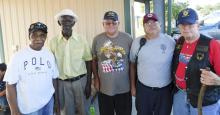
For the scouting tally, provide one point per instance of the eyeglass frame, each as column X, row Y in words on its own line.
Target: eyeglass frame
column 114, row 23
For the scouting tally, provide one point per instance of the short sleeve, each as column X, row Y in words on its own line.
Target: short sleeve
column 134, row 50
column 12, row 72
column 55, row 69
column 87, row 56
column 214, row 55
column 94, row 52
column 51, row 45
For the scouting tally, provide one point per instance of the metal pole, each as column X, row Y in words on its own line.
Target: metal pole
column 169, row 17
column 147, row 6
column 159, row 11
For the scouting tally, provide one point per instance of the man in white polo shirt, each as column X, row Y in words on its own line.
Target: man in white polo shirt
column 30, row 76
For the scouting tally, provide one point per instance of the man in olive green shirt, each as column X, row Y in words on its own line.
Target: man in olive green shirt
column 73, row 57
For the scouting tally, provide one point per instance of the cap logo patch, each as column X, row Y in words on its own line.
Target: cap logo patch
column 150, row 15
column 185, row 13
column 111, row 14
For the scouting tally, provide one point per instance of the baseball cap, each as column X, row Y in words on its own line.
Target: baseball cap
column 111, row 15
column 67, row 12
column 150, row 16
column 37, row 26
column 187, row 16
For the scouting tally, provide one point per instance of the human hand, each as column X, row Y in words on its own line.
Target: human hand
column 16, row 112
column 56, row 106
column 133, row 91
column 88, row 90
column 97, row 84
column 209, row 78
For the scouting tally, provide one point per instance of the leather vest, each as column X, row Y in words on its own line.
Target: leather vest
column 199, row 59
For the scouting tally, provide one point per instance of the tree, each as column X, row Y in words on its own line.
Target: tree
column 176, row 7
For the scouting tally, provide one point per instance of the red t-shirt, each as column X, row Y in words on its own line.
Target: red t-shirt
column 187, row 52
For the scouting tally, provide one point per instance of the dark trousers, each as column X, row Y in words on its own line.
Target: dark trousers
column 119, row 104
column 153, row 101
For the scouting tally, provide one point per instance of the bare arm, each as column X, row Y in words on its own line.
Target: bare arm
column 89, row 78
column 11, row 95
column 133, row 78
column 95, row 73
column 2, row 93
column 56, row 97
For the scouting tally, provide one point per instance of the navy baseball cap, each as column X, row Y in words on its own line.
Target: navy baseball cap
column 187, row 16
column 111, row 15
column 37, row 26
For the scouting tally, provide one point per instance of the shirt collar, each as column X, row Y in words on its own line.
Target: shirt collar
column 74, row 36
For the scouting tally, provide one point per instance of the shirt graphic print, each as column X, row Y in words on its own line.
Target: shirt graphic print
column 113, row 57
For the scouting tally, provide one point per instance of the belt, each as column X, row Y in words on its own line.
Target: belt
column 153, row 88
column 157, row 88
column 74, row 78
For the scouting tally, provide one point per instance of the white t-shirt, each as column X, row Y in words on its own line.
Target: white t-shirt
column 32, row 71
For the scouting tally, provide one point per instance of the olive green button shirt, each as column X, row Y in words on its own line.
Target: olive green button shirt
column 70, row 55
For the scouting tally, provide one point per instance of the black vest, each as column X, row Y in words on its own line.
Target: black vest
column 199, row 59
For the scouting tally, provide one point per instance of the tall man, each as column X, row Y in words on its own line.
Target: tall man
column 73, row 57
column 30, row 75
column 110, row 51
column 152, row 53
column 194, row 53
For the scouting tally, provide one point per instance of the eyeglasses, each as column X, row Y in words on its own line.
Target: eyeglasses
column 151, row 23
column 111, row 23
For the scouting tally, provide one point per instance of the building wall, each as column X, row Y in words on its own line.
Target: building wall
column 17, row 15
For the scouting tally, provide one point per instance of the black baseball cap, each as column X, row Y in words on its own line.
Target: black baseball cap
column 111, row 15
column 37, row 26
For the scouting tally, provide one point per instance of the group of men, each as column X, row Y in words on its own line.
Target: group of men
column 160, row 72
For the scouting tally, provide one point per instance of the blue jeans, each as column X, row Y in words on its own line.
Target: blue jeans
column 46, row 110
column 3, row 101
column 182, row 107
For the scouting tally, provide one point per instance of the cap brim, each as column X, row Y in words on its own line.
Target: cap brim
column 113, row 19
column 45, row 31
column 153, row 19
column 146, row 20
column 186, row 21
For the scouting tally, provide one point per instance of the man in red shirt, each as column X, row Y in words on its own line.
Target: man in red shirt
column 193, row 54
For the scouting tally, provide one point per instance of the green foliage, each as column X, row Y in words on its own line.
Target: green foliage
column 176, row 7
